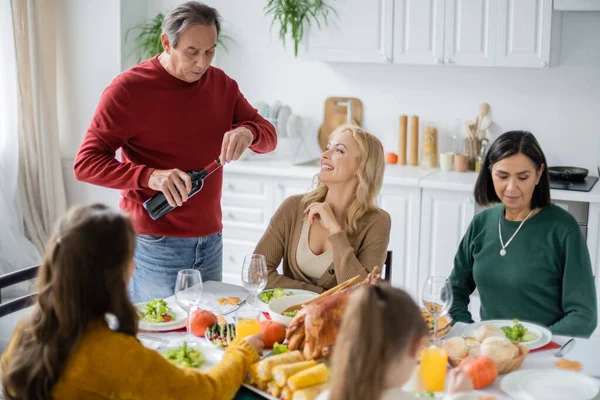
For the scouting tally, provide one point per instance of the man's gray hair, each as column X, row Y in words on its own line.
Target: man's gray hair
column 188, row 14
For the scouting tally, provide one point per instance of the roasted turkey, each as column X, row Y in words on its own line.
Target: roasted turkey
column 315, row 327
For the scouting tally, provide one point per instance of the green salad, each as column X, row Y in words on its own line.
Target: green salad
column 518, row 332
column 424, row 394
column 269, row 295
column 185, row 357
column 157, row 310
column 290, row 314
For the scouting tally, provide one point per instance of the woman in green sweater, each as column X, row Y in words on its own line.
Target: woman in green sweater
column 526, row 256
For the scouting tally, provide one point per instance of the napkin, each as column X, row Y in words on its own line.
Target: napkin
column 549, row 346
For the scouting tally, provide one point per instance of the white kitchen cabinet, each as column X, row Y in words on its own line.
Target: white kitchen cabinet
column 286, row 187
column 404, row 205
column 419, row 31
column 358, row 33
column 524, row 30
column 445, row 217
column 470, row 32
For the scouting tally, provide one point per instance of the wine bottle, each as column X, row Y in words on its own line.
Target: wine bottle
column 158, row 206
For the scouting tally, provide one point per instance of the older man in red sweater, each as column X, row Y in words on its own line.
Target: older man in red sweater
column 170, row 114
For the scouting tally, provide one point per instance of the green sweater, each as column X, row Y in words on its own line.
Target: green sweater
column 545, row 277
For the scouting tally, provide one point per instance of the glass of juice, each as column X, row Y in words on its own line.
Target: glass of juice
column 434, row 365
column 247, row 322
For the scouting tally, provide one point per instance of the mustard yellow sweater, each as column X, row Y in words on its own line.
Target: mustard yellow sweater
column 112, row 365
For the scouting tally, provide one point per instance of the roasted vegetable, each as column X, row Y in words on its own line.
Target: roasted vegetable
column 221, row 335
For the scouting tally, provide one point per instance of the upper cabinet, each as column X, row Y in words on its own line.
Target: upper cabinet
column 358, row 33
column 470, row 32
column 524, row 33
column 513, row 33
column 418, row 31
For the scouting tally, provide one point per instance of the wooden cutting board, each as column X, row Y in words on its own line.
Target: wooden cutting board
column 335, row 115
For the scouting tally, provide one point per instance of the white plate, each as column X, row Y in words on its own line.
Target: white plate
column 260, row 392
column 178, row 322
column 211, row 357
column 544, row 336
column 255, row 301
column 277, row 306
column 549, row 384
column 282, row 119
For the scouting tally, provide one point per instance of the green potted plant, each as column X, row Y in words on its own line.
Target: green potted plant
column 294, row 15
column 148, row 43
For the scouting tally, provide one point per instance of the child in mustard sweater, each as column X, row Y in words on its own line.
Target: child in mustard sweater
column 65, row 349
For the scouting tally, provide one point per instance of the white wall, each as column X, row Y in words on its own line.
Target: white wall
column 559, row 105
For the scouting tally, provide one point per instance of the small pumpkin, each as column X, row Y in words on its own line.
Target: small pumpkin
column 272, row 332
column 482, row 370
column 200, row 320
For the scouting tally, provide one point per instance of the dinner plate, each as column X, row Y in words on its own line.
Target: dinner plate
column 255, row 301
column 260, row 392
column 549, row 384
column 178, row 322
column 211, row 357
column 544, row 336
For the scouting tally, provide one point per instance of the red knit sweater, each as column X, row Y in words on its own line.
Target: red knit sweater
column 162, row 122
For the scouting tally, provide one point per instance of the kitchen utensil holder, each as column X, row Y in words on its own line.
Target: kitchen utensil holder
column 472, row 149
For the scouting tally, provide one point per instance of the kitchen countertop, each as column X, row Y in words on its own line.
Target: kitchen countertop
column 395, row 175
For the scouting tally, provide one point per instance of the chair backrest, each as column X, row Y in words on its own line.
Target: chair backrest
column 12, row 278
column 388, row 267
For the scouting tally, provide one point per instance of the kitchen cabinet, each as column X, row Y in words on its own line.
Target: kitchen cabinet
column 404, row 206
column 509, row 33
column 470, row 32
column 524, row 32
column 418, row 32
column 357, row 33
column 445, row 217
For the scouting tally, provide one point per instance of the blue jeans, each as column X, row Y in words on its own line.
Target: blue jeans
column 159, row 258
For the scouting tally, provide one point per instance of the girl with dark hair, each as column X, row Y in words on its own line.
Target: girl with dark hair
column 65, row 349
column 378, row 346
column 526, row 256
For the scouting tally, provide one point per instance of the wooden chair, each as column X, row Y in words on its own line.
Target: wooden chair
column 387, row 272
column 13, row 278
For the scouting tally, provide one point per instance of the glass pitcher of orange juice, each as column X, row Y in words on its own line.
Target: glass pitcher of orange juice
column 247, row 322
column 434, row 365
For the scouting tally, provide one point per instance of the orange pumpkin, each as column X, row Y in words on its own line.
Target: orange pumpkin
column 201, row 319
column 482, row 370
column 273, row 332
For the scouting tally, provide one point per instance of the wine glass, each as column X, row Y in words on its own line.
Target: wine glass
column 437, row 299
column 254, row 275
column 188, row 293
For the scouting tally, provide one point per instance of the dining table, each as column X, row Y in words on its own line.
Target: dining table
column 585, row 350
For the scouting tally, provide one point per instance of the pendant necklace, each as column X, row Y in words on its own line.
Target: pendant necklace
column 504, row 246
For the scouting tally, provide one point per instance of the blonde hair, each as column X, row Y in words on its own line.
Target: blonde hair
column 380, row 324
column 371, row 166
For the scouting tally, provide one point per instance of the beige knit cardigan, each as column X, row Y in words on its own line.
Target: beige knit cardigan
column 355, row 255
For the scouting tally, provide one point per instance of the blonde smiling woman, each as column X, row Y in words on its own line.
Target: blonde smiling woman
column 337, row 231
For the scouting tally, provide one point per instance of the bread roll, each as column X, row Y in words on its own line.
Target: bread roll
column 486, row 331
column 456, row 347
column 473, row 346
column 499, row 349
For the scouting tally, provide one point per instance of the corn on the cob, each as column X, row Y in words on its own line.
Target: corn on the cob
column 309, row 377
column 265, row 367
column 262, row 385
column 281, row 373
column 286, row 393
column 310, row 393
column 273, row 389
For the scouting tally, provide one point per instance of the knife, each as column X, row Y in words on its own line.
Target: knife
column 241, row 303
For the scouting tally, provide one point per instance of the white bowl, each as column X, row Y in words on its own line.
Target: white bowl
column 277, row 306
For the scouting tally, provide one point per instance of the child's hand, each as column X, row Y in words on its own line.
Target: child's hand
column 256, row 341
column 459, row 382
